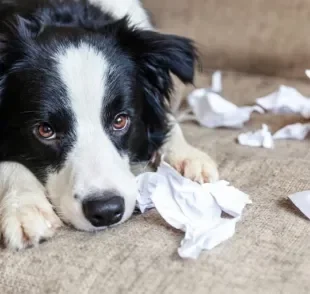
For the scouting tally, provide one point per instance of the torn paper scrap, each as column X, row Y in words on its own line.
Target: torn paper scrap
column 145, row 188
column 193, row 208
column 302, row 202
column 220, row 190
column 260, row 138
column 216, row 85
column 286, row 100
column 196, row 241
column 212, row 111
column 296, row 131
column 263, row 137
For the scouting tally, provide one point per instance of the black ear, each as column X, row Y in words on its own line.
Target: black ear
column 17, row 32
column 157, row 56
column 168, row 52
column 160, row 52
column 26, row 27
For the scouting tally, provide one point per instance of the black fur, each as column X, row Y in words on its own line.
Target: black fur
column 31, row 32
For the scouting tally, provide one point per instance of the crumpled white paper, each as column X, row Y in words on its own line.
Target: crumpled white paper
column 259, row 138
column 296, row 131
column 193, row 208
column 211, row 110
column 302, row 202
column 286, row 100
column 216, row 84
column 263, row 137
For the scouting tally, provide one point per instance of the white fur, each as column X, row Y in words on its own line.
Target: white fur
column 26, row 216
column 93, row 165
column 120, row 8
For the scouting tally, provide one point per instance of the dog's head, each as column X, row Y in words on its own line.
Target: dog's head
column 81, row 99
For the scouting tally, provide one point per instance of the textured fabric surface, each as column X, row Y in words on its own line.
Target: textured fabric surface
column 261, row 36
column 269, row 253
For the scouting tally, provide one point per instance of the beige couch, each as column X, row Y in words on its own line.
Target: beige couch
column 270, row 252
column 260, row 36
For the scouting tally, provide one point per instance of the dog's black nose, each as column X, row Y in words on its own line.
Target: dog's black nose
column 104, row 211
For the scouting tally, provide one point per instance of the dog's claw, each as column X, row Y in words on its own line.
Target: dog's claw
column 29, row 224
column 194, row 164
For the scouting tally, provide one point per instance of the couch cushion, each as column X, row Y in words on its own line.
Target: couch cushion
column 269, row 253
column 262, row 36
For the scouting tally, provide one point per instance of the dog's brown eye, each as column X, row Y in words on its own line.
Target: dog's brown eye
column 121, row 121
column 45, row 131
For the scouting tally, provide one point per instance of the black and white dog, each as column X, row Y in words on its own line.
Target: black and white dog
column 84, row 89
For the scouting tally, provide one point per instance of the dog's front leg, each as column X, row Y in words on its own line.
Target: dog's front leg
column 26, row 216
column 186, row 159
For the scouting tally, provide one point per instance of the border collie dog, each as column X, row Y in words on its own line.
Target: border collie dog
column 84, row 96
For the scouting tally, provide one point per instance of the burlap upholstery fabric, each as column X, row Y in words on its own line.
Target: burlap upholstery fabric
column 262, row 36
column 269, row 253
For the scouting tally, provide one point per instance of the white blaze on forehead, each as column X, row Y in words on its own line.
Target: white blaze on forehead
column 84, row 72
column 95, row 162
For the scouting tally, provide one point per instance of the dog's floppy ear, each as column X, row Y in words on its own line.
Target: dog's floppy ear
column 169, row 53
column 157, row 56
column 17, row 33
column 160, row 54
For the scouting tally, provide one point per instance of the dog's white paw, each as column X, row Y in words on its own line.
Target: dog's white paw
column 27, row 219
column 193, row 164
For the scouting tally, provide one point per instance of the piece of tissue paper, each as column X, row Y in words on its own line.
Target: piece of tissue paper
column 211, row 110
column 302, row 202
column 286, row 100
column 296, row 131
column 263, row 137
column 260, row 138
column 191, row 207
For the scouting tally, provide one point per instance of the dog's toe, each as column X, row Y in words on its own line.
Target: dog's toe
column 194, row 164
column 27, row 225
